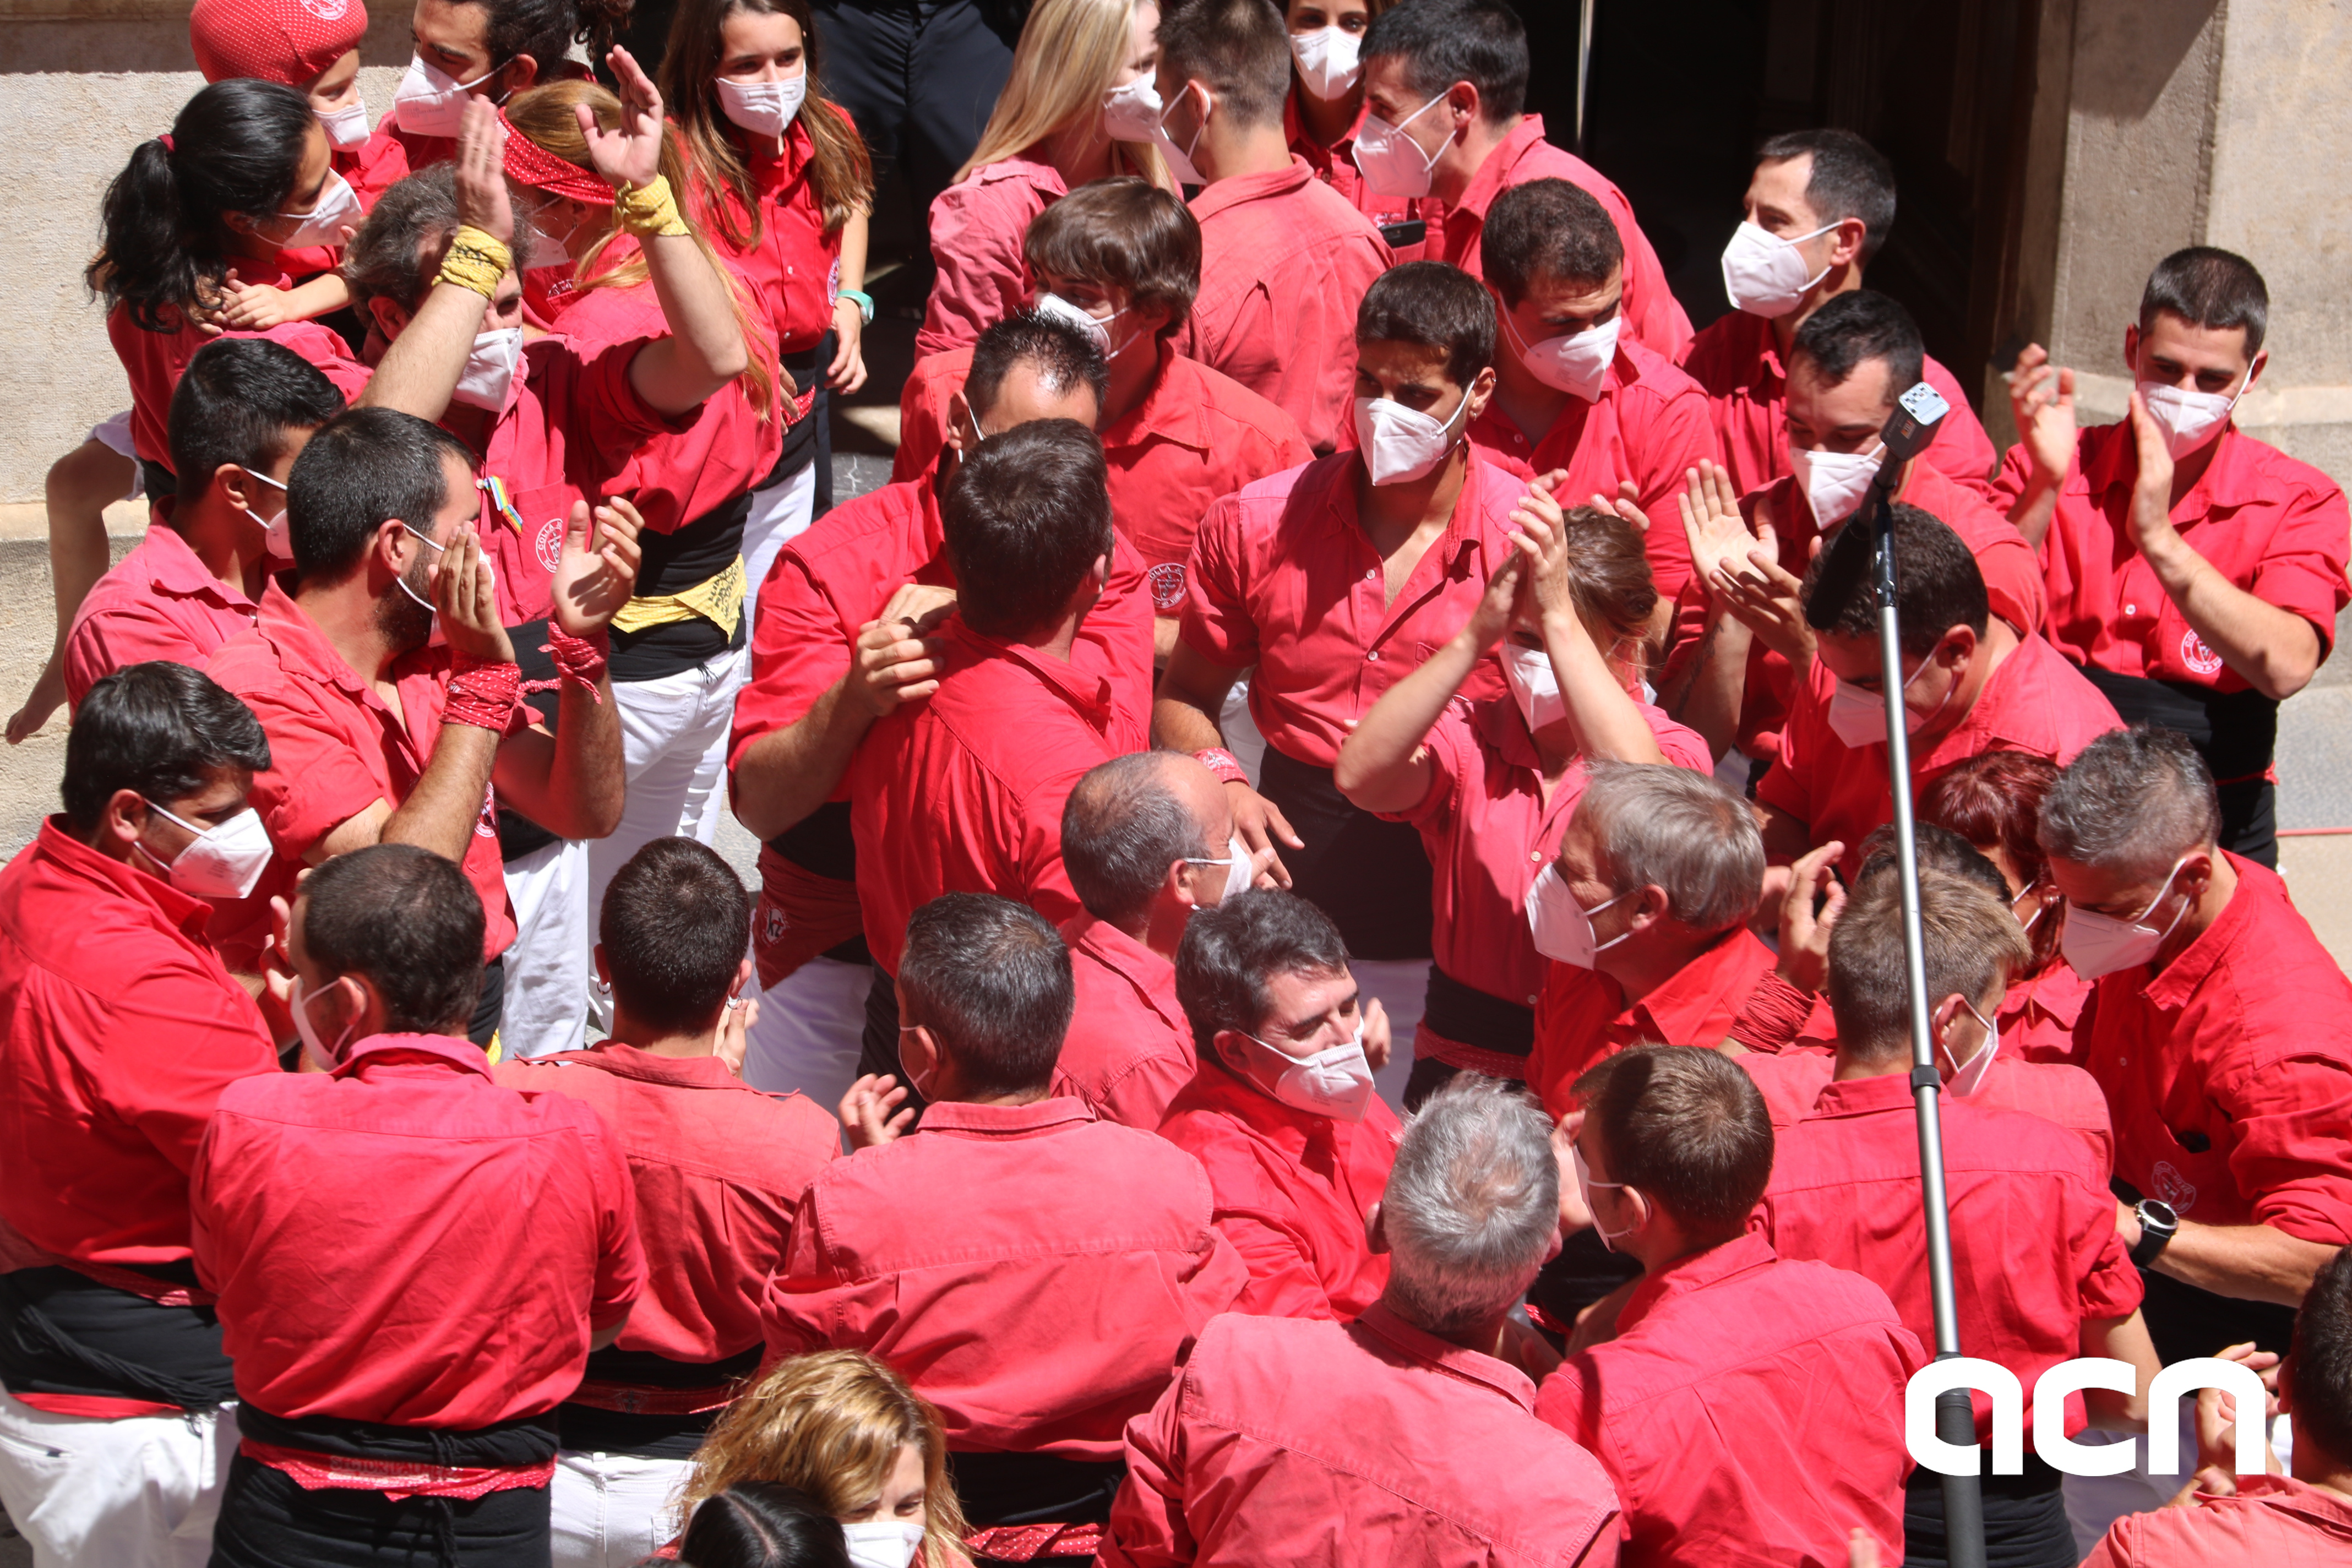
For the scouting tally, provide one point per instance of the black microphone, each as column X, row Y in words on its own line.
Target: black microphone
column 1918, row 414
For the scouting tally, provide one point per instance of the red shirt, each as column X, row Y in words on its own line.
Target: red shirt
column 1283, row 263
column 1129, row 1048
column 1287, row 1441
column 1490, row 832
column 1036, row 1273
column 964, row 792
column 1736, row 359
column 161, row 601
column 977, row 226
column 1649, row 425
column 335, row 749
column 794, row 267
column 422, row 150
column 2241, row 1043
column 1195, row 437
column 1293, row 1190
column 2272, row 1519
column 2272, row 526
column 1582, row 1017
column 2013, row 586
column 1651, row 312
column 1751, row 1411
column 1283, row 578
column 122, row 1030
column 363, row 1230
column 2035, row 701
column 2034, row 1249
column 717, row 1168
column 1336, row 166
column 155, row 361
column 2039, row 1013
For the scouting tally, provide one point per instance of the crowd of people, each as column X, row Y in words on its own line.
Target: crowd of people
column 1327, row 980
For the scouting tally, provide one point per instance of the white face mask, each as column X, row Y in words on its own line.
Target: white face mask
column 1858, row 716
column 544, row 250
column 337, row 210
column 1241, row 867
column 1053, row 307
column 1180, row 159
column 1561, row 927
column 226, row 860
column 2188, row 417
column 1337, row 1082
column 1835, row 482
column 275, row 537
column 1584, row 1185
column 347, row 126
column 762, row 108
column 432, row 103
column 323, row 1057
column 883, row 1543
column 1964, row 1077
column 1402, row 445
column 1392, row 162
column 2097, row 944
column 1528, row 673
column 401, row 582
column 488, row 380
column 1131, row 114
column 1328, row 63
column 1575, row 362
column 1764, row 274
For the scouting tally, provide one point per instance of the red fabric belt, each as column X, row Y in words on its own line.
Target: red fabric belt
column 633, row 1399
column 1427, row 1042
column 1028, row 1543
column 394, row 1479
column 94, row 1406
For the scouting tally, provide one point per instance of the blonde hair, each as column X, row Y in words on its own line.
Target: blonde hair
column 545, row 117
column 1068, row 53
column 831, row 1424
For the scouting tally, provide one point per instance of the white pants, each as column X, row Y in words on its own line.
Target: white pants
column 1242, row 737
column 138, row 1492
column 613, row 1510
column 113, row 433
column 810, row 1027
column 548, row 971
column 777, row 514
column 1402, row 986
column 674, row 753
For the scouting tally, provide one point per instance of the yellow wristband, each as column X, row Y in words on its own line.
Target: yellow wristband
column 476, row 261
column 649, row 209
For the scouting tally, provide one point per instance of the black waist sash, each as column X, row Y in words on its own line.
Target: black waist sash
column 2235, row 732
column 524, row 1441
column 61, row 1332
column 598, row 1428
column 1034, row 1488
column 1469, row 1016
column 1372, row 876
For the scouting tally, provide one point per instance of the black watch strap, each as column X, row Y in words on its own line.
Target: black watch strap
column 2158, row 1224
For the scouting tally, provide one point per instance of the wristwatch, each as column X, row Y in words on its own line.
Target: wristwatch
column 862, row 299
column 2157, row 1225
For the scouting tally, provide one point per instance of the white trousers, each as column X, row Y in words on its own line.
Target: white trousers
column 1402, row 986
column 613, row 1510
column 778, row 513
column 810, row 1027
column 548, row 971
column 138, row 1492
column 1240, row 730
column 674, row 753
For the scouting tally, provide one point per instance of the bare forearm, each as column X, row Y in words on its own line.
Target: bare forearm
column 1785, row 838
column 1375, row 768
column 2035, row 505
column 1609, row 725
column 2250, row 1262
column 440, row 813
column 1714, row 685
column 586, row 780
column 705, row 347
column 789, row 772
column 421, row 368
column 853, row 252
column 2275, row 651
column 321, row 296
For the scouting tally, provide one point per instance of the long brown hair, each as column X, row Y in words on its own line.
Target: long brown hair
column 545, row 117
column 1609, row 578
column 840, row 171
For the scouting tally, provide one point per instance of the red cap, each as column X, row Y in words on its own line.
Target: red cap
column 527, row 162
column 289, row 41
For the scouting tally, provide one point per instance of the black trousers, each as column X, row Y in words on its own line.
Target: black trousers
column 491, row 1005
column 920, row 78
column 267, row 1521
column 2024, row 1520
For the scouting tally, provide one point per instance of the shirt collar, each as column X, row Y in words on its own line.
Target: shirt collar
column 1466, row 531
column 2299, row 1498
column 1174, row 414
column 1118, row 951
column 180, row 911
column 174, row 567
column 439, row 1050
column 1005, row 1120
column 770, row 176
column 1713, row 1266
column 1469, row 1365
column 302, row 648
column 621, row 1060
column 1494, row 176
column 2195, row 964
column 2233, row 479
column 1698, row 990
column 1223, row 195
column 1088, row 692
column 1990, row 721
column 1864, row 1096
column 1503, row 727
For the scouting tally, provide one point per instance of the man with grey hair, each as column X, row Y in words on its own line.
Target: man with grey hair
column 1404, row 1434
column 2221, row 1032
column 1147, row 838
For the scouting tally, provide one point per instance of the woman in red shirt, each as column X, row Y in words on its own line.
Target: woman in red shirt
column 779, row 178
column 1326, row 105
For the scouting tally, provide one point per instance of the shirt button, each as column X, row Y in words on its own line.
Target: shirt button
column 1369, row 576
column 1374, row 655
column 1536, row 856
column 1531, row 1001
column 2131, row 609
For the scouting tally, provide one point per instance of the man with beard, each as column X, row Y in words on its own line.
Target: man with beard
column 378, row 738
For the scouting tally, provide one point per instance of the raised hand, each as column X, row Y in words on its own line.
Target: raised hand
column 1717, row 534
column 632, row 154
column 1491, row 621
column 1767, row 598
column 1804, row 935
column 1260, row 822
column 2151, row 506
column 1626, row 503
column 598, row 570
column 464, row 592
column 2042, row 401
column 874, row 1112
column 481, row 172
column 895, row 659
